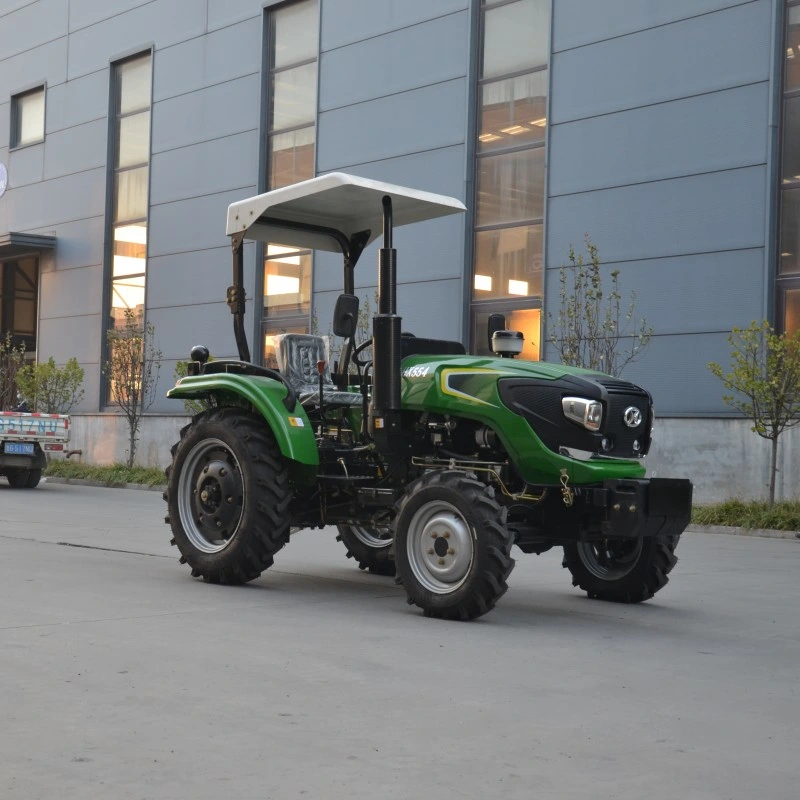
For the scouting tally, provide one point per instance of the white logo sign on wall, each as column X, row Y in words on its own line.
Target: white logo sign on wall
column 3, row 178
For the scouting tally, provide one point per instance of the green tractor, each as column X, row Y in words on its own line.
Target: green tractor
column 432, row 463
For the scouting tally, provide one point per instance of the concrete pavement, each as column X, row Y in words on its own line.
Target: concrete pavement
column 121, row 677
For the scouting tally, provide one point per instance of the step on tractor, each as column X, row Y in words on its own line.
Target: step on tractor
column 432, row 463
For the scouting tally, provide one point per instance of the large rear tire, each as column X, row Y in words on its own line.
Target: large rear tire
column 228, row 494
column 370, row 547
column 24, row 478
column 452, row 546
column 622, row 571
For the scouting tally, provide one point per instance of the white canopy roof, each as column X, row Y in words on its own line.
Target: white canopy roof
column 346, row 203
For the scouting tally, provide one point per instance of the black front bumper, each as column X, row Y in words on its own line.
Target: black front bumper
column 620, row 508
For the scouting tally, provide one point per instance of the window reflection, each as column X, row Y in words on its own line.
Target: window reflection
column 508, row 263
column 513, row 112
column 791, row 316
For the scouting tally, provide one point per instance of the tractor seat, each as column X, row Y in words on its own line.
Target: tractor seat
column 297, row 355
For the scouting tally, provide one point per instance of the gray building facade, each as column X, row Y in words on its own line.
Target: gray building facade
column 653, row 127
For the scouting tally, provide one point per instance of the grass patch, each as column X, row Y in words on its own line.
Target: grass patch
column 750, row 514
column 116, row 474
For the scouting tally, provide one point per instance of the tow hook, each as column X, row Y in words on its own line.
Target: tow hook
column 567, row 494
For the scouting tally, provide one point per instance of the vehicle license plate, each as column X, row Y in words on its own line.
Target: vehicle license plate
column 18, row 448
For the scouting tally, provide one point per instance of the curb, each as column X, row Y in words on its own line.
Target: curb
column 763, row 533
column 103, row 484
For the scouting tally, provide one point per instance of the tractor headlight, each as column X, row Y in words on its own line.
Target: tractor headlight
column 588, row 413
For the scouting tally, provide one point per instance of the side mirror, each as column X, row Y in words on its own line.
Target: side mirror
column 497, row 322
column 345, row 316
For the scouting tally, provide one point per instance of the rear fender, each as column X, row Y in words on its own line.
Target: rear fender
column 292, row 430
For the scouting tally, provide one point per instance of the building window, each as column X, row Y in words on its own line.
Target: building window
column 130, row 102
column 292, row 33
column 510, row 168
column 19, row 289
column 27, row 118
column 788, row 278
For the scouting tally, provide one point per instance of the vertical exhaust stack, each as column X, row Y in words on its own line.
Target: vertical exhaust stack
column 385, row 407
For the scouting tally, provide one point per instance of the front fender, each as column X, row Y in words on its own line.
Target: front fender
column 292, row 431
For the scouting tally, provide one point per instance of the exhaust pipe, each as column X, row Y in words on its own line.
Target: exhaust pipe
column 385, row 406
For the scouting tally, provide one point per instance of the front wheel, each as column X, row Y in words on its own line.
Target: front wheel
column 370, row 547
column 622, row 570
column 452, row 546
column 228, row 495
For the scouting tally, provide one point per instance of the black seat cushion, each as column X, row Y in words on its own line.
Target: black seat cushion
column 411, row 345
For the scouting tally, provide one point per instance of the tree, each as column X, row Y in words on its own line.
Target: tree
column 132, row 371
column 765, row 376
column 52, row 389
column 591, row 328
column 12, row 359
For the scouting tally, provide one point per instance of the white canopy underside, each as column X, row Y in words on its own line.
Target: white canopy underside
column 346, row 203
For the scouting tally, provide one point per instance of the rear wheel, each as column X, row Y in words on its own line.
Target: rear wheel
column 228, row 494
column 452, row 547
column 622, row 570
column 24, row 478
column 370, row 547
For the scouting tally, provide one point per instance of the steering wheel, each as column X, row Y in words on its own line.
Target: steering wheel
column 363, row 346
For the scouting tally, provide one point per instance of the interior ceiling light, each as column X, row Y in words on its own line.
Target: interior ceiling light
column 539, row 123
column 514, row 130
column 518, row 287
column 135, row 234
column 488, row 137
column 483, row 283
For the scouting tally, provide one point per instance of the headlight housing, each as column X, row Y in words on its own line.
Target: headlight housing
column 588, row 413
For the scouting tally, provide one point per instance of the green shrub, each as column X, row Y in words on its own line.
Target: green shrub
column 51, row 389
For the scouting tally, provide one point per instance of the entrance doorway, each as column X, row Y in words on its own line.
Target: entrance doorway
column 19, row 295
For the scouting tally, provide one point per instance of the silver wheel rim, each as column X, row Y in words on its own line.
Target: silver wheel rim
column 210, row 496
column 377, row 539
column 610, row 561
column 440, row 547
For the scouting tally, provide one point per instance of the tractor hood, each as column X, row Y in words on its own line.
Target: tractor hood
column 502, row 392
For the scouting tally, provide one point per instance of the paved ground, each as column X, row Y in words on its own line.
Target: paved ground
column 121, row 677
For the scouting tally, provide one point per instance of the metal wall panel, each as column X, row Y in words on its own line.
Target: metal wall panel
column 207, row 60
column 79, row 243
column 348, row 21
column 581, row 22
column 45, row 63
column 211, row 167
column 70, row 292
column 76, row 149
column 201, row 276
column 49, row 203
column 85, row 13
column 699, row 214
column 686, row 294
column 222, row 13
column 431, row 309
column 78, row 101
column 384, row 65
column 675, row 371
column 718, row 131
column 702, row 54
column 26, row 165
column 66, row 337
column 197, row 223
column 163, row 22
column 211, row 113
column 31, row 26
column 424, row 119
column 5, row 127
